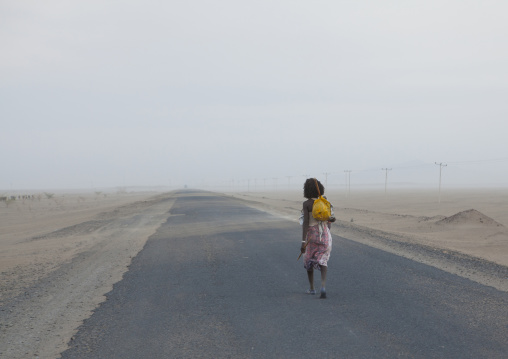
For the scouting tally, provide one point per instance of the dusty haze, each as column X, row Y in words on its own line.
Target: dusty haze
column 98, row 94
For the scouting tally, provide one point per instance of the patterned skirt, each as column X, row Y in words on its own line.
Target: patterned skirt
column 318, row 250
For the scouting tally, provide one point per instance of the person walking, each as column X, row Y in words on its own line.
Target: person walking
column 316, row 236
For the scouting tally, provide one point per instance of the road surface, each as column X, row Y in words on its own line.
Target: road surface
column 220, row 279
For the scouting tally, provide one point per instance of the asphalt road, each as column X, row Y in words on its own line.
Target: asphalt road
column 220, row 280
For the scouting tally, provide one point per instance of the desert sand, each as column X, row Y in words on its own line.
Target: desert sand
column 60, row 255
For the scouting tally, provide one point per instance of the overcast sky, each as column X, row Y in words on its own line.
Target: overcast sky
column 109, row 93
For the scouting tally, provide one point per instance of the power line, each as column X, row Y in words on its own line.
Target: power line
column 477, row 162
column 414, row 166
column 234, row 184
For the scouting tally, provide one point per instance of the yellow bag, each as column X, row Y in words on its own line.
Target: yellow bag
column 321, row 210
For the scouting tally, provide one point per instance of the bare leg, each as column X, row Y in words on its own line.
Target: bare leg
column 323, row 276
column 310, row 275
column 324, row 269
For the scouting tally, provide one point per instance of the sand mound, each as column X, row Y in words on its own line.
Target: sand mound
column 471, row 216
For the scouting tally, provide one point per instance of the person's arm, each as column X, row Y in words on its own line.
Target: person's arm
column 305, row 226
column 332, row 218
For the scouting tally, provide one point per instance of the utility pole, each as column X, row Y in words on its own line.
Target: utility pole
column 275, row 180
column 386, row 176
column 289, row 180
column 441, row 165
column 326, row 178
column 348, row 182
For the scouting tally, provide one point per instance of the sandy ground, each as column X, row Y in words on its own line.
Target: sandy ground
column 60, row 255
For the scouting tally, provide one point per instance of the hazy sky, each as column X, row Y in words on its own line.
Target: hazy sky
column 112, row 93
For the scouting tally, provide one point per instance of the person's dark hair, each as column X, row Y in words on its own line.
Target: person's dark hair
column 310, row 190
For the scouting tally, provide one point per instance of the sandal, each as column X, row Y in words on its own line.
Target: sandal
column 323, row 293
